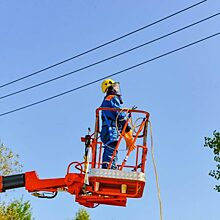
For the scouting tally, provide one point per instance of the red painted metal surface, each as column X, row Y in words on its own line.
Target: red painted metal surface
column 99, row 190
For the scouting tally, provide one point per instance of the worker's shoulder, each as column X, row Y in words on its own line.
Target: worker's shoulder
column 109, row 97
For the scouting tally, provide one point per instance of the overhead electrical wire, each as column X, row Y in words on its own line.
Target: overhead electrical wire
column 109, row 58
column 102, row 45
column 114, row 74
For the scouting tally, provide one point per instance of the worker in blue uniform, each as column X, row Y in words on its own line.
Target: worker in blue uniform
column 110, row 131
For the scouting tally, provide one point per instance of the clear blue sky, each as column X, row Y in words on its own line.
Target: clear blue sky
column 181, row 92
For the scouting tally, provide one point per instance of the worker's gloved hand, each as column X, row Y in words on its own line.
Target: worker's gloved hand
column 129, row 140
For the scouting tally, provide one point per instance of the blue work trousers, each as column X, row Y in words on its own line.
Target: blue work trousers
column 109, row 137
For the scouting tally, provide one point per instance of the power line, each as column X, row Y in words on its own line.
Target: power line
column 102, row 45
column 114, row 74
column 109, row 58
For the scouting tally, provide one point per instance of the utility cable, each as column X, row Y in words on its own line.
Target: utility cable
column 109, row 58
column 114, row 74
column 102, row 45
column 156, row 173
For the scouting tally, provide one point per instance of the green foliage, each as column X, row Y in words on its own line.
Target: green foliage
column 82, row 214
column 16, row 210
column 214, row 144
column 8, row 161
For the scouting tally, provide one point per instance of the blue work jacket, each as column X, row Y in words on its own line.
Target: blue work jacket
column 109, row 132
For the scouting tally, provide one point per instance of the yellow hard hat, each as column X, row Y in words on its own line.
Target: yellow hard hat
column 106, row 84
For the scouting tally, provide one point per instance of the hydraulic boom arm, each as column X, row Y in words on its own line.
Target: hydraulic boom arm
column 72, row 183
